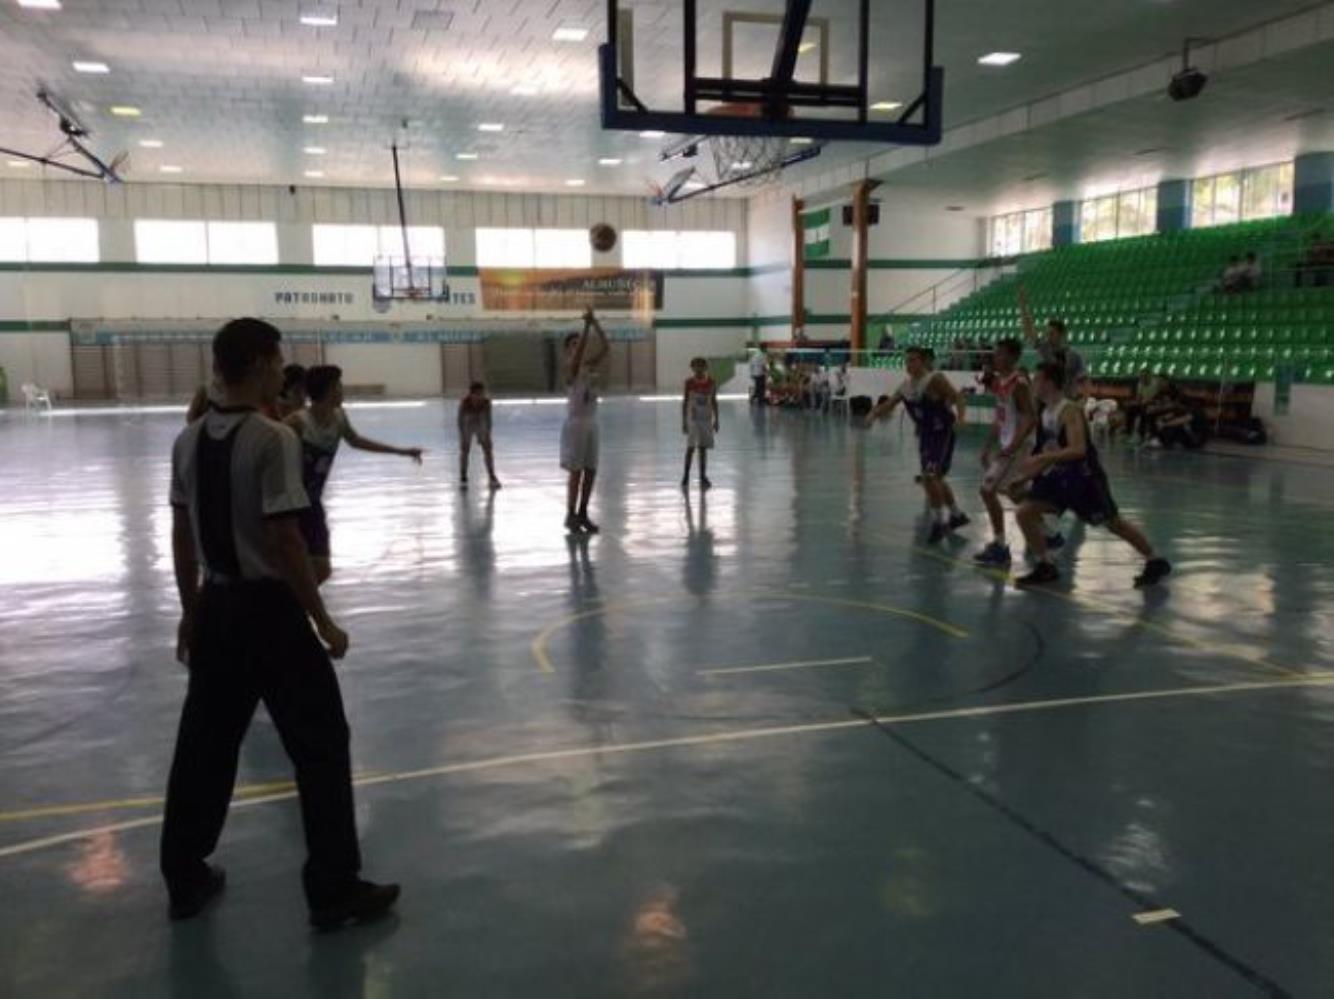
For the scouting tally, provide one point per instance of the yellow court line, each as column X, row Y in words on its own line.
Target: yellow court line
column 543, row 638
column 1082, row 600
column 715, row 738
column 777, row 667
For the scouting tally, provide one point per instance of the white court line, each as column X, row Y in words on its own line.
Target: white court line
column 1156, row 916
column 712, row 738
column 774, row 667
column 722, row 397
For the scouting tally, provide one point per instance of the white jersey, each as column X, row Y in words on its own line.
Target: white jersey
column 1007, row 410
column 581, row 401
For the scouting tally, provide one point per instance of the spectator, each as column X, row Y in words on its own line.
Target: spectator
column 886, row 345
column 1319, row 262
column 1147, row 389
column 1250, row 273
column 1233, row 276
column 819, row 388
column 838, row 382
column 759, row 374
column 1177, row 420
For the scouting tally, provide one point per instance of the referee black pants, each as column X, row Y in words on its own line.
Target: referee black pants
column 253, row 642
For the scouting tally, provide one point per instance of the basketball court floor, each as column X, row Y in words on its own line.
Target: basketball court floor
column 754, row 743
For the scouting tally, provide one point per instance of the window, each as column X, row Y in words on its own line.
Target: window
column 49, row 240
column 533, row 248
column 1021, row 232
column 359, row 245
column 668, row 250
column 1257, row 193
column 162, row 241
column 1117, row 216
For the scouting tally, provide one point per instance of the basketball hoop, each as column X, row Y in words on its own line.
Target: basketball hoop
column 748, row 160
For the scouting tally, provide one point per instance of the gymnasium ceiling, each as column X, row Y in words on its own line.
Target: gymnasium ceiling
column 219, row 84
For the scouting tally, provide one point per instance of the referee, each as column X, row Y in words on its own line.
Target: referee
column 246, row 636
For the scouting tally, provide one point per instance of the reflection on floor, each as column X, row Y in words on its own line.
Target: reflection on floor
column 645, row 763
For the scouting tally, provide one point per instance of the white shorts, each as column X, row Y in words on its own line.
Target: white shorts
column 699, row 434
column 579, row 446
column 1002, row 473
column 474, row 430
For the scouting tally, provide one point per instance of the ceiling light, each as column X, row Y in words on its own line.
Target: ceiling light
column 448, row 178
column 314, row 174
column 40, row 4
column 169, row 168
column 465, row 156
column 652, row 134
column 314, row 150
column 315, row 119
column 693, row 185
column 524, row 90
column 320, row 19
column 125, row 111
column 490, row 126
column 886, row 105
column 151, row 143
column 90, row 67
column 998, row 59
column 574, row 182
column 808, row 47
column 609, row 161
column 316, row 80
column 954, row 208
column 19, row 164
column 741, row 165
column 569, row 34
column 800, row 141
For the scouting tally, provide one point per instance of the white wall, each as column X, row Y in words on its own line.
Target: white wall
column 42, row 358
column 1307, row 422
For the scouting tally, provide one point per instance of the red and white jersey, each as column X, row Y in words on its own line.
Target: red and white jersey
column 1007, row 411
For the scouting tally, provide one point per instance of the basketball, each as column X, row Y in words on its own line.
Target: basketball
column 603, row 237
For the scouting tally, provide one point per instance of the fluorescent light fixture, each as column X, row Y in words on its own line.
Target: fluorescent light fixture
column 886, row 105
column 315, row 119
column 90, row 67
column 569, row 34
column 151, row 143
column 19, row 164
column 524, row 90
column 448, row 178
column 314, row 150
column 805, row 47
column 575, row 182
column 693, row 185
column 742, row 165
column 998, row 58
column 316, row 80
column 40, row 4
column 490, row 126
column 465, row 156
column 609, row 161
column 314, row 174
column 652, row 134
column 169, row 168
column 800, row 141
column 320, row 19
column 125, row 111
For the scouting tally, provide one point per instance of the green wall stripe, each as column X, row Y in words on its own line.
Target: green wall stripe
column 34, row 326
column 813, row 319
column 898, row 264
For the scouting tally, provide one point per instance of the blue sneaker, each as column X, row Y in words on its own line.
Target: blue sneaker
column 995, row 554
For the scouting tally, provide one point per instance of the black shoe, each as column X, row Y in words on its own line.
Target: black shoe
column 584, row 524
column 937, row 535
column 362, row 902
column 571, row 523
column 1155, row 571
column 1055, row 542
column 1043, row 573
column 188, row 901
column 957, row 521
column 685, row 483
column 494, row 484
column 704, row 483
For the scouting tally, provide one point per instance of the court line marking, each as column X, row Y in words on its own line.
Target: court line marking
column 776, row 667
column 1083, row 600
column 542, row 657
column 1156, row 916
column 714, row 738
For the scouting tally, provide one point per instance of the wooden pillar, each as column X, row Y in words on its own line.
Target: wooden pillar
column 861, row 252
column 798, row 265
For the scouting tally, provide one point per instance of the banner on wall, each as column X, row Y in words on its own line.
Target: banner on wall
column 816, row 232
column 570, row 290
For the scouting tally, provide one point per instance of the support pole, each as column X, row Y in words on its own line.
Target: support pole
column 798, row 265
column 861, row 203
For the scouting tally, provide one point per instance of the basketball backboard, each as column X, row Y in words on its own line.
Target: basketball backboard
column 806, row 70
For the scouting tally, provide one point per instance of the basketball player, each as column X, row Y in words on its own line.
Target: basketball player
column 1003, row 453
column 475, row 423
column 935, row 406
column 291, row 397
column 1068, row 475
column 246, row 636
column 699, row 420
column 321, row 427
column 579, row 435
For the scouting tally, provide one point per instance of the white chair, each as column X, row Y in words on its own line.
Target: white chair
column 35, row 397
column 1099, row 414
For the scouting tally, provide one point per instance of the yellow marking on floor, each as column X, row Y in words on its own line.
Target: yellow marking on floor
column 776, row 667
column 714, row 738
column 539, row 644
column 1156, row 916
column 1084, row 600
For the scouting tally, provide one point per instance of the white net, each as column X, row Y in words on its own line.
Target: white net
column 749, row 160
